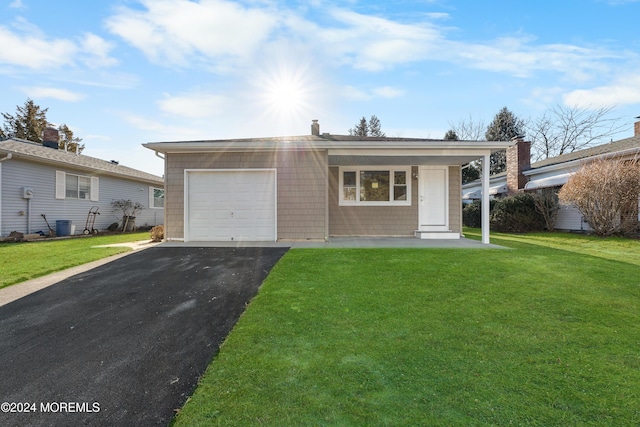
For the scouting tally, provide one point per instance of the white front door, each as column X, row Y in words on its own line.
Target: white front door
column 433, row 198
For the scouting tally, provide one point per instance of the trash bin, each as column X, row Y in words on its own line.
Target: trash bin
column 63, row 227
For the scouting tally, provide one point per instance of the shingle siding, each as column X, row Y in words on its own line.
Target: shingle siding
column 370, row 220
column 302, row 188
column 455, row 199
column 17, row 174
column 307, row 197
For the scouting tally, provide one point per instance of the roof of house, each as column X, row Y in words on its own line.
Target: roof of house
column 20, row 148
column 324, row 141
column 604, row 149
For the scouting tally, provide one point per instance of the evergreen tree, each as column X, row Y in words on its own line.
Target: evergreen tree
column 370, row 128
column 361, row 128
column 504, row 127
column 28, row 123
column 374, row 127
column 451, row 135
column 69, row 142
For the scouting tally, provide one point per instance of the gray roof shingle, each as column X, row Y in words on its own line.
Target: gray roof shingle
column 612, row 147
column 20, row 148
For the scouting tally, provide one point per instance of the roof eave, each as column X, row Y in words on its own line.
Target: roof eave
column 234, row 146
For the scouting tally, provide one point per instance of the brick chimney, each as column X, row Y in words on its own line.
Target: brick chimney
column 636, row 127
column 518, row 161
column 50, row 137
column 315, row 128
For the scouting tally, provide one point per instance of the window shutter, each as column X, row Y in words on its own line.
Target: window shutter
column 151, row 198
column 95, row 189
column 60, row 185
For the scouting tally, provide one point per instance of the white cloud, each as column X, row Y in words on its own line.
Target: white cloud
column 34, row 50
column 178, row 31
column 39, row 92
column 373, row 43
column 193, row 105
column 623, row 91
column 27, row 46
column 17, row 4
column 96, row 51
column 521, row 57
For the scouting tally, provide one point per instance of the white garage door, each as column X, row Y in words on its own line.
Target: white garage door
column 231, row 205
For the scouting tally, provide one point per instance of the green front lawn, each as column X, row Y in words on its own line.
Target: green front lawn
column 544, row 334
column 24, row 261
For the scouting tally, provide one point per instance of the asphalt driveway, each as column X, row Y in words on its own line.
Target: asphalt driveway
column 124, row 343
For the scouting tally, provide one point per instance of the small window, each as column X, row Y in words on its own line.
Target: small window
column 157, row 195
column 349, row 186
column 375, row 186
column 79, row 187
column 399, row 185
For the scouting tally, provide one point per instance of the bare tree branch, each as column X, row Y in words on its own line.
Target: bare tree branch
column 564, row 129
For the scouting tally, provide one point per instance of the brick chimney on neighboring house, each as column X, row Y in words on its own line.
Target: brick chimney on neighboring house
column 636, row 127
column 518, row 161
column 50, row 137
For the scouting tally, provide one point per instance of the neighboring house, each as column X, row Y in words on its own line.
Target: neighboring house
column 553, row 172
column 38, row 179
column 315, row 186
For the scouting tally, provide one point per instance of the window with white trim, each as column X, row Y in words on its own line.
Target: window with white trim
column 73, row 186
column 156, row 196
column 375, row 186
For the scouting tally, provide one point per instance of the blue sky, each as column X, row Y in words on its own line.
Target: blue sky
column 124, row 72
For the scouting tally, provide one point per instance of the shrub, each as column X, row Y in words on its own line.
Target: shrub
column 157, row 233
column 606, row 194
column 472, row 213
column 516, row 214
column 546, row 203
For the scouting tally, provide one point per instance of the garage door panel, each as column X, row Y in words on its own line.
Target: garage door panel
column 231, row 205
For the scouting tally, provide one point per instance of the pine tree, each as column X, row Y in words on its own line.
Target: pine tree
column 374, row 127
column 28, row 123
column 504, row 127
column 361, row 128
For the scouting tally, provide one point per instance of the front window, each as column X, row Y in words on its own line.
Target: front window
column 375, row 186
column 77, row 187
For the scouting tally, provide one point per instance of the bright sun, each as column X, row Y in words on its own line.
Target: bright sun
column 285, row 93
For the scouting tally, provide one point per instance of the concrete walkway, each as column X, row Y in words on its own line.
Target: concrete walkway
column 348, row 242
column 19, row 290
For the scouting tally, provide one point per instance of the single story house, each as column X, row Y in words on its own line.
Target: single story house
column 554, row 172
column 40, row 179
column 315, row 186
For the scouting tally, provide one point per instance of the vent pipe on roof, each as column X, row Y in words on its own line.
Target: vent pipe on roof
column 315, row 128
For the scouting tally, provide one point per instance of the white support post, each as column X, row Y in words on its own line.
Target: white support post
column 485, row 199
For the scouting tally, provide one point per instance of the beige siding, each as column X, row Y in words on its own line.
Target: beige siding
column 455, row 199
column 371, row 220
column 302, row 188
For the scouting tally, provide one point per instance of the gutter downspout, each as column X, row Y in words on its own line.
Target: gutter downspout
column 7, row 157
